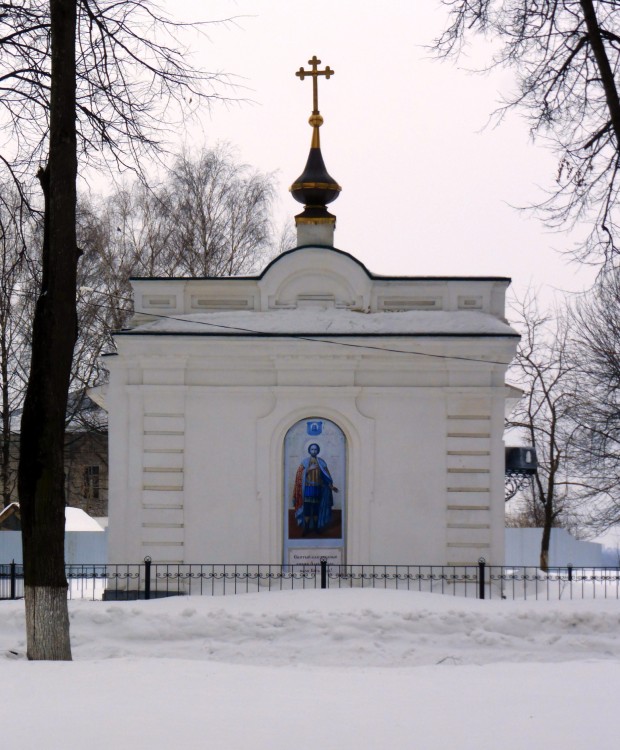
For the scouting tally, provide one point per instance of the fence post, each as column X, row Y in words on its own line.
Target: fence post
column 323, row 572
column 147, row 577
column 13, row 580
column 570, row 571
column 481, row 569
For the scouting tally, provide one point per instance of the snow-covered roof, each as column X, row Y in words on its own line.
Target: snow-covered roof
column 319, row 291
column 84, row 414
column 77, row 520
column 327, row 322
column 8, row 511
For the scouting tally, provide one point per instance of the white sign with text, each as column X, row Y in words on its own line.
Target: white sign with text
column 312, row 556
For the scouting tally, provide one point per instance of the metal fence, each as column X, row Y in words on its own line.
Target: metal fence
column 150, row 580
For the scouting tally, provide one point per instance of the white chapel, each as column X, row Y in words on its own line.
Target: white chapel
column 313, row 410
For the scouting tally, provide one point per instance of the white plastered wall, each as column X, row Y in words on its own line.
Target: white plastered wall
column 197, row 423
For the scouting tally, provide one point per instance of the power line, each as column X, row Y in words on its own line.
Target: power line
column 297, row 337
column 302, row 337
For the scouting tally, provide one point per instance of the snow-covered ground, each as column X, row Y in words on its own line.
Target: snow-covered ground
column 319, row 670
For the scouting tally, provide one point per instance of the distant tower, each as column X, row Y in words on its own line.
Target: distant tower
column 315, row 187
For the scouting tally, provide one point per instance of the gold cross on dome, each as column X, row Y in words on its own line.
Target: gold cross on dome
column 315, row 73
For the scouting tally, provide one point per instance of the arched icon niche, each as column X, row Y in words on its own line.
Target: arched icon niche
column 314, row 491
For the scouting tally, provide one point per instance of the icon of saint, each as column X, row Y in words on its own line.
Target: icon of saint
column 312, row 494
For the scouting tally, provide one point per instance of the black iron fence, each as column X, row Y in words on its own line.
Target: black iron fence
column 150, row 580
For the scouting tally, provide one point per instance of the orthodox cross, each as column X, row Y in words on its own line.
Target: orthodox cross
column 315, row 73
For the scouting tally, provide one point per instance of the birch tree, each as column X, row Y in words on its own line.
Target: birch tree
column 221, row 213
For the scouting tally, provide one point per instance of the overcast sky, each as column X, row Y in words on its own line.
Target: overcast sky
column 426, row 189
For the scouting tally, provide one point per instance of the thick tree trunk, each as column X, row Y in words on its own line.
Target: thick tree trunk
column 41, row 473
column 47, row 623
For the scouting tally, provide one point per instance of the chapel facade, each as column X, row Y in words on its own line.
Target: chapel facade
column 313, row 410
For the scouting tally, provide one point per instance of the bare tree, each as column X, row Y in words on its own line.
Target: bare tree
column 84, row 82
column 41, row 465
column 596, row 404
column 208, row 216
column 104, row 292
column 131, row 231
column 221, row 211
column 17, row 284
column 286, row 238
column 542, row 368
column 566, row 55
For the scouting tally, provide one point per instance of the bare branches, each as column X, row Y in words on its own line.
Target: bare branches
column 544, row 417
column 82, row 82
column 133, row 82
column 566, row 56
column 595, row 349
column 210, row 216
column 221, row 212
column 569, row 367
column 16, row 286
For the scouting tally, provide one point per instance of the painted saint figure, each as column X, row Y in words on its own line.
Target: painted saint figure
column 312, row 495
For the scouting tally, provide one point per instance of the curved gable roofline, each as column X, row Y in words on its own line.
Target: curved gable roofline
column 378, row 276
column 318, row 247
column 258, row 277
column 369, row 274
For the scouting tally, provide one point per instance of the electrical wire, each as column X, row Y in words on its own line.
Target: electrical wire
column 299, row 337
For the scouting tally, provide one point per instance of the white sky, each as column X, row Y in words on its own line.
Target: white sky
column 426, row 191
column 339, row 669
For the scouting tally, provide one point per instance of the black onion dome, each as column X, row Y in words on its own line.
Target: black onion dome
column 315, row 187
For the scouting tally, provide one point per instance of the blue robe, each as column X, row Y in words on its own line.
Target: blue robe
column 304, row 493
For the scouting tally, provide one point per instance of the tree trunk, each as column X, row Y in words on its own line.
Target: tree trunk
column 41, row 474
column 544, row 548
column 5, row 473
column 546, row 534
column 602, row 61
